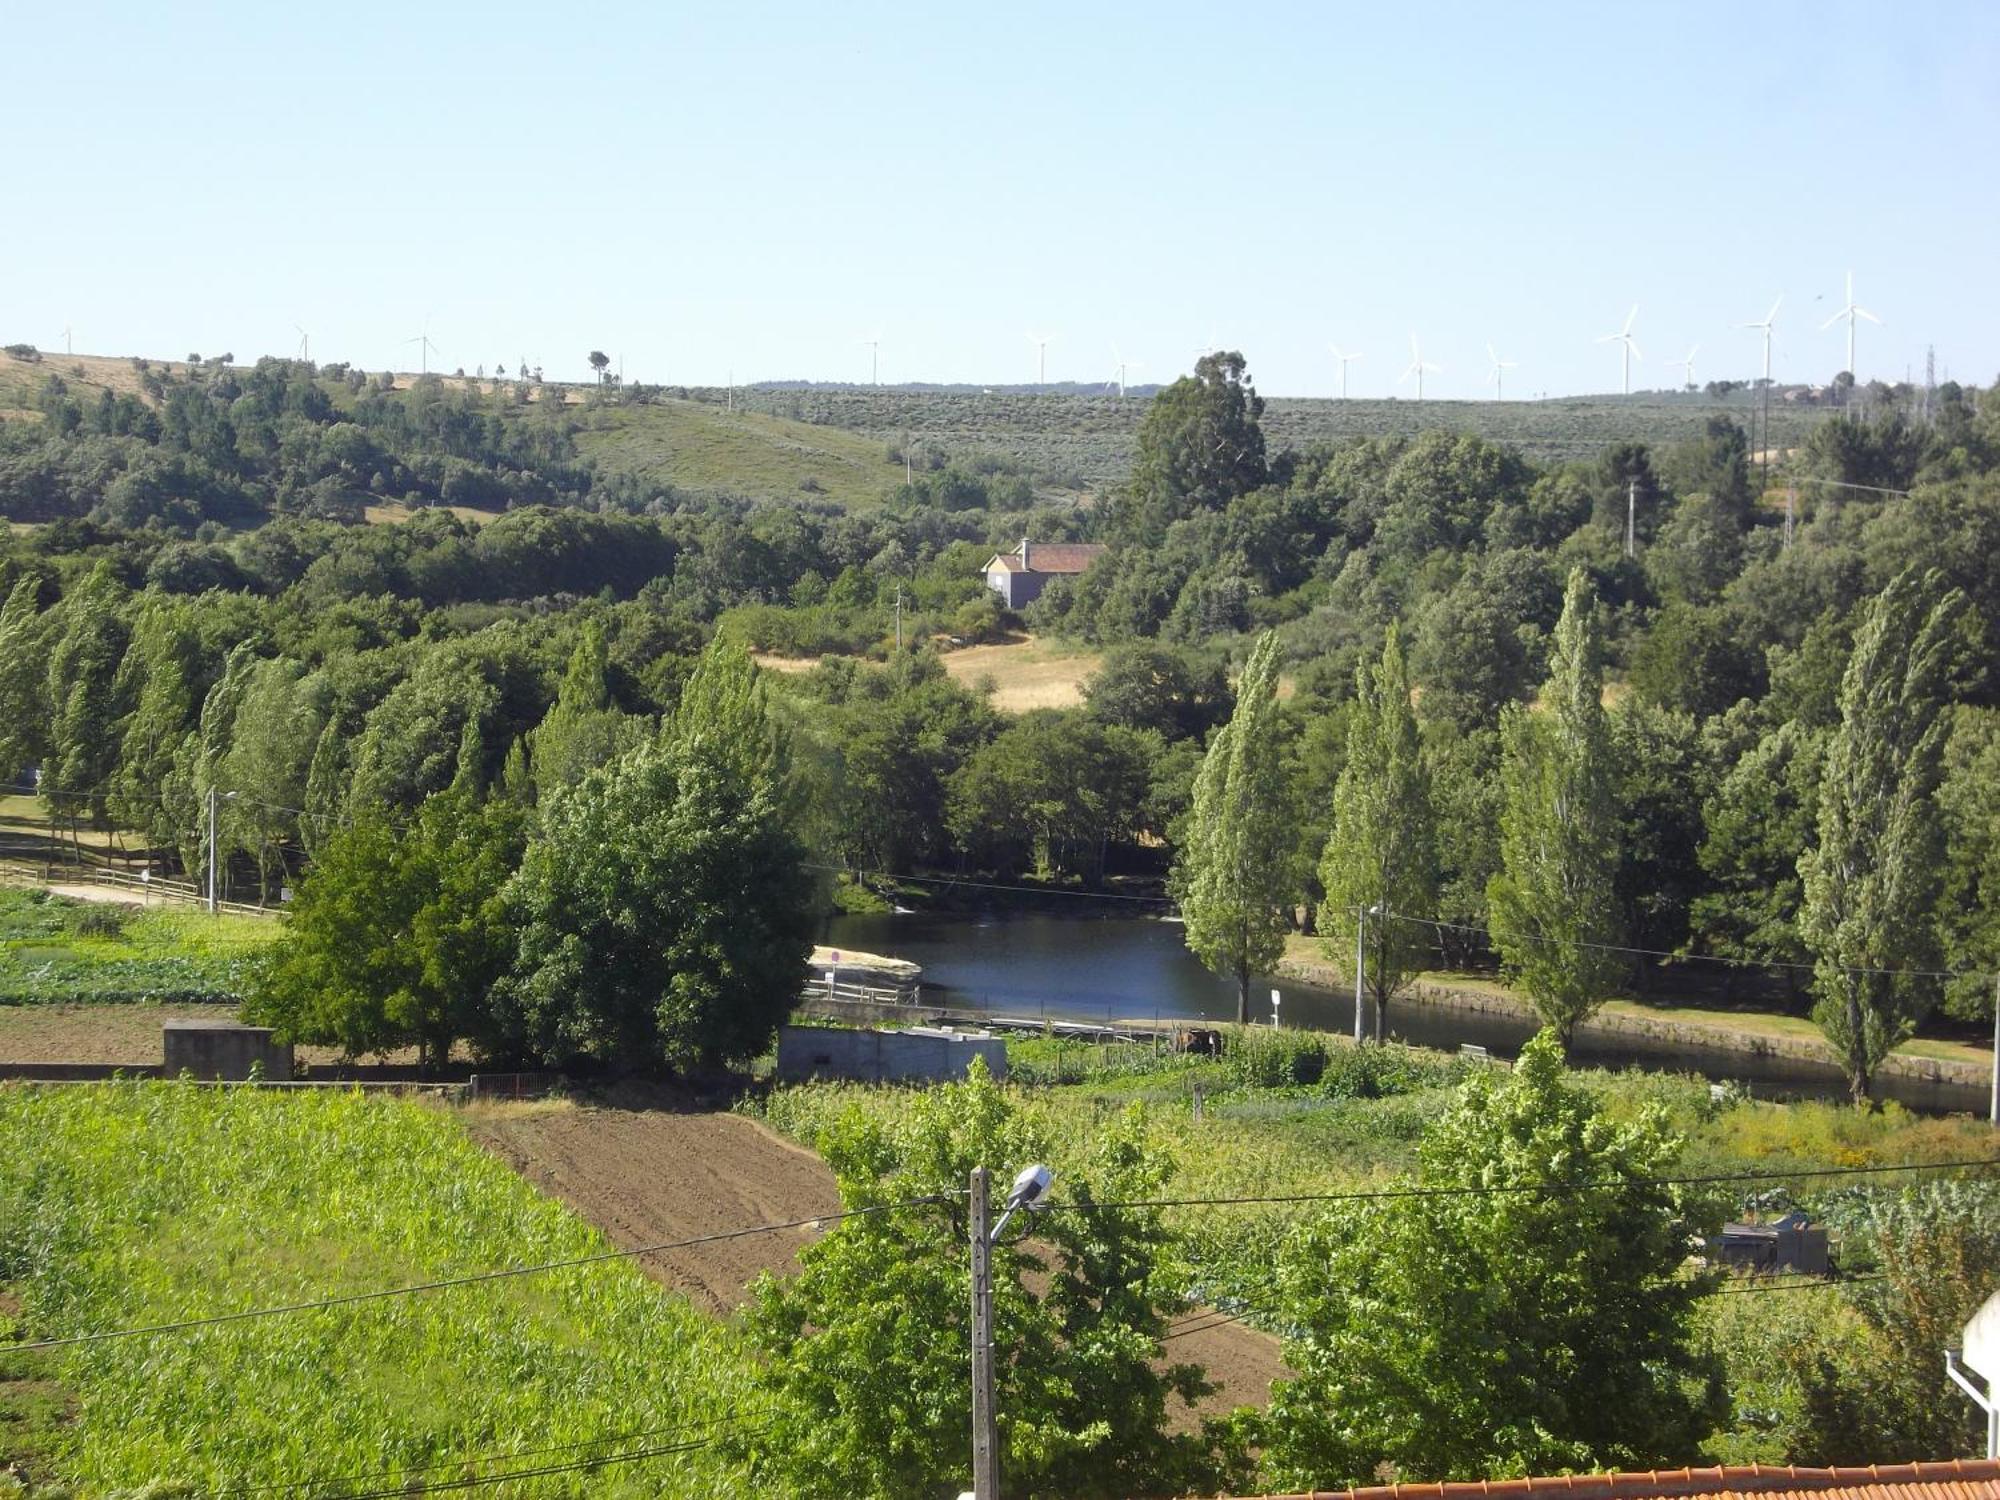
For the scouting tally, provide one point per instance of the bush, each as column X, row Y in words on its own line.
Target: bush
column 1384, row 1071
column 1275, row 1059
column 98, row 920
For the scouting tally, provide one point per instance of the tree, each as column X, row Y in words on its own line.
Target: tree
column 1052, row 789
column 862, row 1355
column 1382, row 855
column 1158, row 688
column 1760, row 815
column 1233, row 873
column 1872, row 880
column 582, row 729
column 599, row 361
column 1969, row 913
column 1553, row 902
column 90, row 640
column 665, row 914
column 1493, row 1328
column 1200, row 446
column 396, row 937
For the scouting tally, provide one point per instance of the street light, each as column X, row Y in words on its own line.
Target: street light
column 1030, row 1188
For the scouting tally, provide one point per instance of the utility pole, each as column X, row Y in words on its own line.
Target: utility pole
column 212, row 820
column 1360, row 965
column 985, row 1427
column 899, row 617
column 1791, row 503
column 1631, row 515
column 1993, row 1115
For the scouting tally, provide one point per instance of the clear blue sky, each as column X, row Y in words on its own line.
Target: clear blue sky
column 757, row 188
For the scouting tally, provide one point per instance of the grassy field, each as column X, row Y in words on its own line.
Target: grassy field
column 1026, row 673
column 55, row 951
column 701, row 449
column 130, row 1204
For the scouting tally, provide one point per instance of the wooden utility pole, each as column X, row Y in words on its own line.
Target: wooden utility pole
column 985, row 1429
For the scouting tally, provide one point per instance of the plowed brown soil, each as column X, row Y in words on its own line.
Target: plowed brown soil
column 650, row 1176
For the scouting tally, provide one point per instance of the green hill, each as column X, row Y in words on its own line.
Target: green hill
column 703, row 448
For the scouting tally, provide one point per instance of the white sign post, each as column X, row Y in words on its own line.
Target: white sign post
column 1275, row 1000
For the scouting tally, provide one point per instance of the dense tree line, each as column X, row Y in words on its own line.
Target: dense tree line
column 321, row 670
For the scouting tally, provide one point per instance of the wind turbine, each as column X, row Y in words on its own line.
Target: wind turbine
column 68, row 347
column 1631, row 350
column 1769, row 322
column 1125, row 364
column 1499, row 364
column 1850, row 312
column 425, row 350
column 1686, row 366
column 1417, row 367
column 874, row 347
column 1344, row 359
column 305, row 345
column 1041, row 341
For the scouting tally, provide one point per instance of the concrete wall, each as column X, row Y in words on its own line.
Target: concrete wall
column 222, row 1049
column 921, row 1054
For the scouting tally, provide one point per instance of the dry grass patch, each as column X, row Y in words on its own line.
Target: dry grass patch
column 1027, row 673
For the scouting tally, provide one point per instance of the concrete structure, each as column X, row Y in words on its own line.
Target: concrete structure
column 1952, row 1479
column 1789, row 1244
column 222, row 1049
column 1019, row 577
column 921, row 1054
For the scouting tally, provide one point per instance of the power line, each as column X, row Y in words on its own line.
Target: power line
column 1551, row 1189
column 543, row 1471
column 477, row 1278
column 1681, row 956
column 370, row 1475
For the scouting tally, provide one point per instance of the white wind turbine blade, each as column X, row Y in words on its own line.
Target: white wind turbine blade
column 1629, row 318
column 1492, row 357
column 1836, row 318
column 1772, row 316
column 1862, row 312
column 1633, row 344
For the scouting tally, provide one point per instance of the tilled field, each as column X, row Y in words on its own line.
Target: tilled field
column 652, row 1176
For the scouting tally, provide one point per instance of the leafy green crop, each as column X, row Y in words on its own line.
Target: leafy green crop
column 55, row 951
column 128, row 1204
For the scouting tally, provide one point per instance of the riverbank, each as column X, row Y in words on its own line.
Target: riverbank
column 1757, row 1037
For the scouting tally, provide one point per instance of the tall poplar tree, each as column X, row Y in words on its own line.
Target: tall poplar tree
column 1872, row 881
column 1381, row 857
column 1553, row 903
column 1233, row 873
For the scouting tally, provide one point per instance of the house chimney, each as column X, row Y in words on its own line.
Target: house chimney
column 1024, row 555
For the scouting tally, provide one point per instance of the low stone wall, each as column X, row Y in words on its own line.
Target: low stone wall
column 223, row 1050
column 918, row 1055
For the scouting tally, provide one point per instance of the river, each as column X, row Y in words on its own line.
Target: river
column 1138, row 969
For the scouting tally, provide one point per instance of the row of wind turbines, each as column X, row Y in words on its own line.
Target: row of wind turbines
column 1851, row 313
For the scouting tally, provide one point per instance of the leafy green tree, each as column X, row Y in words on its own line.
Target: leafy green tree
column 278, row 720
column 1468, row 656
column 1969, row 911
column 26, row 632
column 90, row 640
column 665, row 914
column 1554, row 903
column 1200, row 445
column 1872, row 879
column 1693, row 660
column 1157, row 688
column 1761, row 813
column 1938, row 1247
column 397, row 936
column 1494, row 1328
column 1052, row 789
column 1382, row 858
column 1233, row 873
column 582, row 729
column 862, row 1356
column 724, row 717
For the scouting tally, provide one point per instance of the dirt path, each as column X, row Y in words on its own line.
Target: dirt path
column 649, row 1176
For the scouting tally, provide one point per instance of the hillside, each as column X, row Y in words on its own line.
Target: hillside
column 702, row 448
column 1087, row 441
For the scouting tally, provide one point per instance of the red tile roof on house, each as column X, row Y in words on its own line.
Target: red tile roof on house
column 1954, row 1479
column 1049, row 557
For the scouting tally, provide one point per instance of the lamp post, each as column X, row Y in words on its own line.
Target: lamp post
column 1361, row 917
column 1027, row 1192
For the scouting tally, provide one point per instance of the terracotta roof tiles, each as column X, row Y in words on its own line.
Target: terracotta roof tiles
column 1953, row 1479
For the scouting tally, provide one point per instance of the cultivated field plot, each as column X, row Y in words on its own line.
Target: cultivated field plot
column 125, row 1205
column 652, row 1176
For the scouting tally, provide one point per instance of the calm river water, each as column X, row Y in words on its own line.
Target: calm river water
column 1138, row 969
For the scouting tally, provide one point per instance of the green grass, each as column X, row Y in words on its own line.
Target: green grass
column 1260, row 1137
column 54, row 950
column 704, row 449
column 128, row 1204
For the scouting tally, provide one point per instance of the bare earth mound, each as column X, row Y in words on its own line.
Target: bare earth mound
column 651, row 1176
